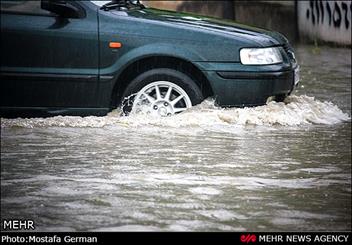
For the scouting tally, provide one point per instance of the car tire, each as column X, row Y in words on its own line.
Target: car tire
column 163, row 79
column 280, row 97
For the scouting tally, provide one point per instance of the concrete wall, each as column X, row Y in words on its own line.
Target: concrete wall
column 325, row 20
column 273, row 15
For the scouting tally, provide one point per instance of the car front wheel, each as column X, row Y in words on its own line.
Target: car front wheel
column 280, row 97
column 161, row 92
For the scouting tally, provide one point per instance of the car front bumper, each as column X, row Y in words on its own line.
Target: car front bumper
column 251, row 87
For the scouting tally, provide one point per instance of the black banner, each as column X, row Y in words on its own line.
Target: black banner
column 167, row 237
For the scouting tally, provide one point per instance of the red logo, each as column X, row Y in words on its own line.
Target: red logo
column 248, row 238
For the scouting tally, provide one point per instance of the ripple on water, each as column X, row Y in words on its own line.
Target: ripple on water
column 221, row 215
column 205, row 191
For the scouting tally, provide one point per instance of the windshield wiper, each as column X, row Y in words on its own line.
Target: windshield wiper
column 118, row 4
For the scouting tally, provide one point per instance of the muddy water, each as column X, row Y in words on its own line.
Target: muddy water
column 282, row 166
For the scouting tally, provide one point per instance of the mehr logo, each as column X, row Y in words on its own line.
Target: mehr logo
column 248, row 238
column 17, row 224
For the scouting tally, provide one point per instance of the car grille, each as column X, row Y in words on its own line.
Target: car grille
column 290, row 53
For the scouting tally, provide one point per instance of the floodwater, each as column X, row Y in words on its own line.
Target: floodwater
column 279, row 167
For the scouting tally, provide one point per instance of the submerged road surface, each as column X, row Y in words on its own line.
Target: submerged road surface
column 279, row 167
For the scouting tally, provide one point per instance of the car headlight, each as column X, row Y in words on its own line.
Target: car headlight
column 260, row 56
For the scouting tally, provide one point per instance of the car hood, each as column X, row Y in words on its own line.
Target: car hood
column 213, row 25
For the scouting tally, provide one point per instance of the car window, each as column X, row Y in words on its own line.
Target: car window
column 23, row 7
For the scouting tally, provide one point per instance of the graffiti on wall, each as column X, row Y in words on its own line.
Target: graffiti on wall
column 335, row 12
column 325, row 20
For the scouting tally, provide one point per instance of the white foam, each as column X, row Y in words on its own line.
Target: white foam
column 296, row 111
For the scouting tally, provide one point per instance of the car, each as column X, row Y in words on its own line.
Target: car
column 87, row 58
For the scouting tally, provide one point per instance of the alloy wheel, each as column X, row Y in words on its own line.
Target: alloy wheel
column 161, row 98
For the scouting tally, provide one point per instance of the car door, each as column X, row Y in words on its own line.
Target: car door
column 47, row 61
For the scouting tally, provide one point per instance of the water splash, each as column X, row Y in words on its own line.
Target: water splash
column 296, row 111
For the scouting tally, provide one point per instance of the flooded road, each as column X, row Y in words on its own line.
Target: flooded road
column 279, row 167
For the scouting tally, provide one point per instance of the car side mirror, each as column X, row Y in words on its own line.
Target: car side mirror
column 62, row 8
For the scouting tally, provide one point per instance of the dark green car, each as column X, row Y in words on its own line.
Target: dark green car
column 86, row 58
